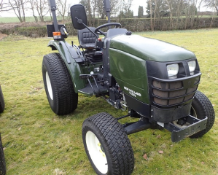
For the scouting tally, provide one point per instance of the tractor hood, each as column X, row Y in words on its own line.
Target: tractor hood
column 150, row 49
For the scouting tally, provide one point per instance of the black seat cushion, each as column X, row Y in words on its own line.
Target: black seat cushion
column 86, row 38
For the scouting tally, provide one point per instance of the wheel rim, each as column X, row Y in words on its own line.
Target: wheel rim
column 193, row 112
column 49, row 87
column 96, row 152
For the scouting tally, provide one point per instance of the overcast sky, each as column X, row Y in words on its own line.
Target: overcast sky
column 135, row 5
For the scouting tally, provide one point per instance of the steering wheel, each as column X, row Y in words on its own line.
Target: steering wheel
column 98, row 31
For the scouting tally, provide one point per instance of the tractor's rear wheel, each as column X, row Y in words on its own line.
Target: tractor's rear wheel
column 2, row 159
column 107, row 145
column 2, row 102
column 58, row 85
column 202, row 107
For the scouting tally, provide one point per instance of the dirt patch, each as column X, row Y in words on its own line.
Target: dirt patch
column 2, row 36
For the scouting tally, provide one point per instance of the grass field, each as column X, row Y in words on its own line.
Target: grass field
column 36, row 141
column 47, row 18
column 28, row 19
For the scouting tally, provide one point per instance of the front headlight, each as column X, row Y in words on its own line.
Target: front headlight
column 172, row 70
column 192, row 66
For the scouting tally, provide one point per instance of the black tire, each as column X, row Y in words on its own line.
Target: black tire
column 2, row 159
column 111, row 153
column 60, row 91
column 202, row 107
column 2, row 102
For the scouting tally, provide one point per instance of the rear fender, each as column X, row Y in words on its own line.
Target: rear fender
column 72, row 66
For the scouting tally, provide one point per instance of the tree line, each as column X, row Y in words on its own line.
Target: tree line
column 38, row 8
column 177, row 9
column 155, row 9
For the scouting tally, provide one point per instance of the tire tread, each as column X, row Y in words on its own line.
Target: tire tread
column 117, row 141
column 66, row 97
column 2, row 102
column 201, row 100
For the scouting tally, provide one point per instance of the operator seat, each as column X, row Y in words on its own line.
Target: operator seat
column 86, row 38
column 87, row 41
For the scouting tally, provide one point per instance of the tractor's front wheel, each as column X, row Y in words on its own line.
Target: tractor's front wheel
column 201, row 108
column 58, row 85
column 2, row 102
column 2, row 159
column 107, row 145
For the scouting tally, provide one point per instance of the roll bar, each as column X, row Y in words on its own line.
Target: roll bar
column 52, row 5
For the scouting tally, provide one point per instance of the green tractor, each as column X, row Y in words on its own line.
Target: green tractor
column 152, row 80
column 2, row 158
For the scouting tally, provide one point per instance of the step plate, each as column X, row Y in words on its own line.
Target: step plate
column 189, row 130
column 88, row 90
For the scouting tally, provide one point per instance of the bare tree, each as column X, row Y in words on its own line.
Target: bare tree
column 1, row 4
column 212, row 4
column 41, row 7
column 4, row 6
column 114, row 6
column 62, row 8
column 88, row 7
column 179, row 6
column 127, row 5
column 124, row 8
column 19, row 7
column 155, row 14
column 151, row 16
column 100, row 7
column 170, row 6
column 198, row 3
column 96, row 8
column 190, row 12
column 33, row 8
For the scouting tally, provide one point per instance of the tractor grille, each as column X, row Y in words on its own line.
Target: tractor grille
column 166, row 93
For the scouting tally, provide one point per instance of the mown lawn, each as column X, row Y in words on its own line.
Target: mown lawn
column 36, row 141
column 15, row 19
column 48, row 18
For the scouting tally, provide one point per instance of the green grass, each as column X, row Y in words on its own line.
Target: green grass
column 28, row 19
column 37, row 141
column 47, row 18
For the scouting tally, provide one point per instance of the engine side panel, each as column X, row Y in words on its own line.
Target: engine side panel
column 130, row 73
